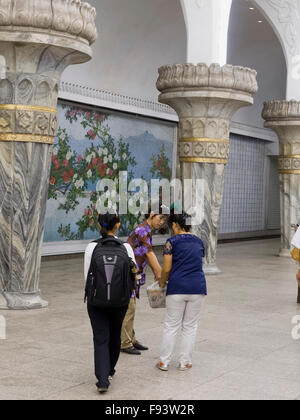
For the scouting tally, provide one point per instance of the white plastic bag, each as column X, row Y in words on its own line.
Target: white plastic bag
column 156, row 295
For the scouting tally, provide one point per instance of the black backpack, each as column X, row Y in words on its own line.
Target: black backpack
column 110, row 281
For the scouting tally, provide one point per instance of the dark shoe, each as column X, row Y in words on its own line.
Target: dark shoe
column 140, row 346
column 102, row 390
column 131, row 350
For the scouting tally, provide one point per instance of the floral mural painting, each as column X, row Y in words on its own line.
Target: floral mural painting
column 161, row 166
column 87, row 151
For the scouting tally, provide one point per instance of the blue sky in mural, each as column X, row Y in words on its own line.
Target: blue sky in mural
column 145, row 136
column 144, row 146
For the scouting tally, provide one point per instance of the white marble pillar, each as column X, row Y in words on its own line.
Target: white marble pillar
column 205, row 99
column 38, row 40
column 284, row 118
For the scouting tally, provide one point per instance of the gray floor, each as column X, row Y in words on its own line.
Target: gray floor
column 244, row 349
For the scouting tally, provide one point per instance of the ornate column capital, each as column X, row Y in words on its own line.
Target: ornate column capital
column 205, row 98
column 281, row 111
column 54, row 20
column 203, row 77
column 283, row 117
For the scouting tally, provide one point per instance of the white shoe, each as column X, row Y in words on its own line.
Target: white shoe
column 184, row 367
column 162, row 367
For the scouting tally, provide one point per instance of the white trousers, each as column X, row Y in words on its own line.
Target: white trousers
column 183, row 311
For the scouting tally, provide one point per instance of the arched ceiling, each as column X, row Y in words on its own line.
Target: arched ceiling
column 138, row 36
column 256, row 45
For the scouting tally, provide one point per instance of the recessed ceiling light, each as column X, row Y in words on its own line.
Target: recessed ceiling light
column 260, row 21
column 251, row 8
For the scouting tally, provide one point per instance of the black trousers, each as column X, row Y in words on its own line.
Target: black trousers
column 106, row 324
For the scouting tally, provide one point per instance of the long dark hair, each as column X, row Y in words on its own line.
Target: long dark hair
column 183, row 220
column 107, row 222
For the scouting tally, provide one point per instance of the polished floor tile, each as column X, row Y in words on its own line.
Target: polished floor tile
column 244, row 349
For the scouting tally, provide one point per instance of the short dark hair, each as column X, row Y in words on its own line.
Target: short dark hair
column 183, row 220
column 107, row 222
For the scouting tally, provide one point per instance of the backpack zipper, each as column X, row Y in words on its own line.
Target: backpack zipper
column 108, row 291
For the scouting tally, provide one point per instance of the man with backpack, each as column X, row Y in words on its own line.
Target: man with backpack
column 110, row 268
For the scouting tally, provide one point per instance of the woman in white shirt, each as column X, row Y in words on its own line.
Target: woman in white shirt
column 106, row 322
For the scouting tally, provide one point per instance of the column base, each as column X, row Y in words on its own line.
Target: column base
column 21, row 301
column 211, row 269
column 285, row 253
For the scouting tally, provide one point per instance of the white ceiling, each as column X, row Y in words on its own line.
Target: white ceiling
column 255, row 45
column 138, row 36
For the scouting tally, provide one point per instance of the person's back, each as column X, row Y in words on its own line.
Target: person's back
column 186, row 277
column 107, row 305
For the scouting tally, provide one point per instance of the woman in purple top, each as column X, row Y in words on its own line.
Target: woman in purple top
column 141, row 242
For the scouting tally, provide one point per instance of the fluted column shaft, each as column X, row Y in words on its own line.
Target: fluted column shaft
column 38, row 40
column 205, row 99
column 283, row 117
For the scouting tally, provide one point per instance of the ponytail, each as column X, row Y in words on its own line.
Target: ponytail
column 183, row 220
column 104, row 232
column 107, row 222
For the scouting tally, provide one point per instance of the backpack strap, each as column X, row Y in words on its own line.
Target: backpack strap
column 109, row 239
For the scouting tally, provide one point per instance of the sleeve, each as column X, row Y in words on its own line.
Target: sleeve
column 130, row 251
column 296, row 239
column 88, row 258
column 168, row 249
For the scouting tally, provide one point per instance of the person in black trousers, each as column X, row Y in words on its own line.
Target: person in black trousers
column 106, row 322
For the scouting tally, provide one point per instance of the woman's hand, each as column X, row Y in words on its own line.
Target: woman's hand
column 162, row 284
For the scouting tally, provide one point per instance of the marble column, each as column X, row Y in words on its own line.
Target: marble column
column 38, row 40
column 205, row 99
column 283, row 117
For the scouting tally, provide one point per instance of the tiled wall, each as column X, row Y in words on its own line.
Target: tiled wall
column 244, row 198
